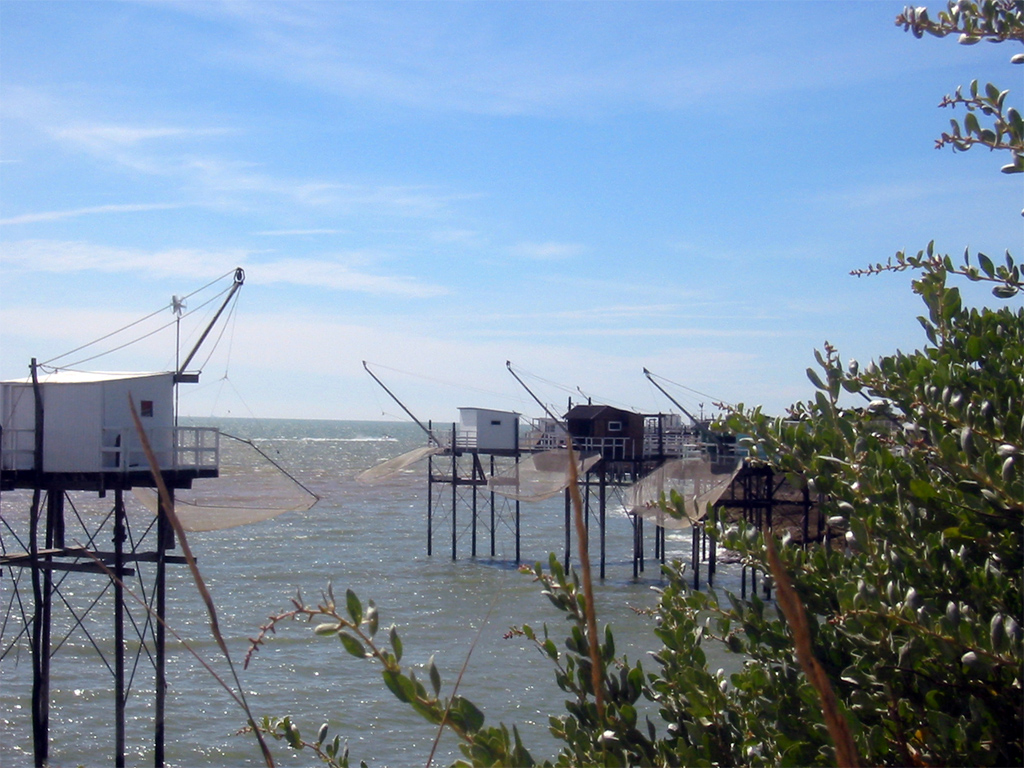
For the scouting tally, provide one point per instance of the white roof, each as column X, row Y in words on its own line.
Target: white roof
column 490, row 410
column 87, row 377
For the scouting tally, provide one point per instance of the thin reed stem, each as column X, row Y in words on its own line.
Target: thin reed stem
column 596, row 667
column 168, row 509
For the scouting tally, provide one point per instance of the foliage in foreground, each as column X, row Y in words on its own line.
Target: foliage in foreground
column 916, row 618
column 913, row 614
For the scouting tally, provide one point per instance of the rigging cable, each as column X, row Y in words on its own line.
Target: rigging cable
column 133, row 341
column 231, row 316
column 446, row 383
column 691, row 389
column 132, row 325
column 281, row 469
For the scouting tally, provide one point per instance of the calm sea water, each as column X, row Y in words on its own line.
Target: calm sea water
column 372, row 539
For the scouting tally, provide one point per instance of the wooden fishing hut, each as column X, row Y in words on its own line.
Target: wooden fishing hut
column 620, row 449
column 67, row 436
column 485, row 451
column 477, row 447
column 753, row 493
column 630, row 445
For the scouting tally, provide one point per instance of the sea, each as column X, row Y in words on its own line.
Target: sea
column 372, row 539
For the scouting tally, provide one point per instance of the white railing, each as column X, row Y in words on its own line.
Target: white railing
column 672, row 442
column 175, row 448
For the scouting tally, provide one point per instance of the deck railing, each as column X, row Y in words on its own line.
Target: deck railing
column 176, row 448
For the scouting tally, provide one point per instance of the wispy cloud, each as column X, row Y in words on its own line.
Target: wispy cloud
column 549, row 251
column 105, row 136
column 299, row 232
column 639, row 332
column 64, row 257
column 880, row 195
column 32, row 218
column 342, row 277
column 553, row 59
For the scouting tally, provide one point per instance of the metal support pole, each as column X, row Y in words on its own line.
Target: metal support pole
column 568, row 527
column 695, row 551
column 40, row 642
column 636, row 546
column 640, row 542
column 492, row 513
column 119, row 678
column 165, row 533
column 602, row 498
column 455, row 494
column 473, row 479
column 430, row 506
column 517, row 531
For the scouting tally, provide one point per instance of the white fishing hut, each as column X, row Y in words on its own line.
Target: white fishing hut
column 487, row 431
column 88, row 430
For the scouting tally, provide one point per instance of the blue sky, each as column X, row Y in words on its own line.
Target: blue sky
column 585, row 189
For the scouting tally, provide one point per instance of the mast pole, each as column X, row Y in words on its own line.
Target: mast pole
column 401, row 405
column 239, row 280
column 558, row 421
column 650, row 378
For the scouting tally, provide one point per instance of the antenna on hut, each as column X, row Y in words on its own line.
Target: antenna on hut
column 430, row 435
column 178, row 308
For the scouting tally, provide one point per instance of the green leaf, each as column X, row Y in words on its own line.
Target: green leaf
column 467, row 714
column 352, row 645
column 394, row 681
column 435, row 676
column 815, row 379
column 922, row 489
column 354, row 607
column 396, row 643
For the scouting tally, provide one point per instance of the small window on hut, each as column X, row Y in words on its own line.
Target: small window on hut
column 495, row 422
column 614, row 426
column 146, row 409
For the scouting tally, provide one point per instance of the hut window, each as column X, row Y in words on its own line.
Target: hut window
column 614, row 426
column 146, row 409
column 495, row 422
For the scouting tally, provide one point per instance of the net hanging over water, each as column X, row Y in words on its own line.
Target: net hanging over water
column 392, row 467
column 540, row 476
column 250, row 488
column 698, row 481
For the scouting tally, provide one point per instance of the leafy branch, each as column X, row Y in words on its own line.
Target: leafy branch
column 1007, row 276
column 1006, row 133
column 994, row 20
column 356, row 627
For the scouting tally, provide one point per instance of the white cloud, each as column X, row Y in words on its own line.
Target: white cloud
column 549, row 251
column 106, row 136
column 298, row 232
column 32, row 218
column 342, row 277
column 65, row 257
column 538, row 59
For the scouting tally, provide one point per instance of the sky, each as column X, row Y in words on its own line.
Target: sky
column 584, row 189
